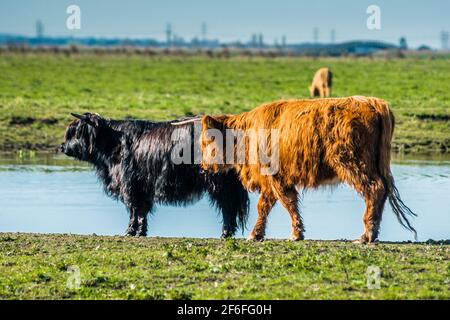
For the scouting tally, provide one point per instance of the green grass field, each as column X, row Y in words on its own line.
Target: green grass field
column 37, row 92
column 36, row 267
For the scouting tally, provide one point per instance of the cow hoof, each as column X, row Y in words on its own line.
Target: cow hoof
column 297, row 235
column 227, row 234
column 362, row 240
column 130, row 233
column 296, row 238
column 255, row 238
column 366, row 240
column 140, row 235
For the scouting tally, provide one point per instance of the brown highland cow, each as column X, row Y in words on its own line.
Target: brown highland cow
column 322, row 141
column 322, row 83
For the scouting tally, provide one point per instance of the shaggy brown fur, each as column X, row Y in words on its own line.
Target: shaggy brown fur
column 323, row 140
column 322, row 83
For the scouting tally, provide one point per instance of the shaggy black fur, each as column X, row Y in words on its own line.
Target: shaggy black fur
column 132, row 158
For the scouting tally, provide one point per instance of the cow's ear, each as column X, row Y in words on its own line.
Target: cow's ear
column 90, row 118
column 95, row 120
column 209, row 122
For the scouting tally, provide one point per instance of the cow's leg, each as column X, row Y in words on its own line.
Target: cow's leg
column 132, row 224
column 230, row 197
column 375, row 195
column 265, row 204
column 229, row 217
column 371, row 186
column 141, row 213
column 229, row 226
column 138, row 206
column 289, row 200
column 316, row 92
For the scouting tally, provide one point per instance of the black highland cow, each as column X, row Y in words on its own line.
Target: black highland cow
column 132, row 158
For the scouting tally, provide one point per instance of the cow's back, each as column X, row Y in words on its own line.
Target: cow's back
column 316, row 134
column 171, row 182
column 322, row 76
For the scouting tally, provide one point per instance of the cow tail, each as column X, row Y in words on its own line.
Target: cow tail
column 244, row 209
column 387, row 129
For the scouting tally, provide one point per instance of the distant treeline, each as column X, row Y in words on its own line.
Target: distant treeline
column 226, row 52
column 208, row 47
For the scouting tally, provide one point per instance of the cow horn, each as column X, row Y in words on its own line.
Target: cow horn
column 185, row 121
column 78, row 116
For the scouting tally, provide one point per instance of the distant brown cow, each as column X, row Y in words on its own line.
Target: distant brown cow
column 322, row 83
column 320, row 142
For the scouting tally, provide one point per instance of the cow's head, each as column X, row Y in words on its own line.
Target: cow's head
column 85, row 135
column 213, row 143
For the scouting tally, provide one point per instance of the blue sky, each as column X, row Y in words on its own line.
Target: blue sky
column 419, row 21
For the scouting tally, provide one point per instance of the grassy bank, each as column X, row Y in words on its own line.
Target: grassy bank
column 37, row 92
column 36, row 266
